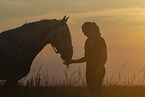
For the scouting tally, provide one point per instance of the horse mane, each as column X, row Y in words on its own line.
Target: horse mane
column 29, row 25
column 38, row 22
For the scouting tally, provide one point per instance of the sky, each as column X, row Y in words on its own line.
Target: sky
column 121, row 23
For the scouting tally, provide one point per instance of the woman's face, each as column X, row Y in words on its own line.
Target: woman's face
column 89, row 33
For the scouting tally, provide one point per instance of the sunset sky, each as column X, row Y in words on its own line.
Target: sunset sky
column 122, row 24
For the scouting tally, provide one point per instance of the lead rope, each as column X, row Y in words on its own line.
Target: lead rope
column 54, row 49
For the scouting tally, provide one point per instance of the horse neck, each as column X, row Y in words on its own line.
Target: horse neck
column 37, row 37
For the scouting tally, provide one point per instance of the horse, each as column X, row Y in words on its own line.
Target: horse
column 19, row 46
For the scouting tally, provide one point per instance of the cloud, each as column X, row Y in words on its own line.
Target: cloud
column 78, row 14
column 15, row 3
column 11, row 9
column 126, row 14
column 78, row 10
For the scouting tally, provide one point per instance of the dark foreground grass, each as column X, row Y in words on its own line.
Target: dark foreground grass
column 123, row 91
column 107, row 91
column 72, row 86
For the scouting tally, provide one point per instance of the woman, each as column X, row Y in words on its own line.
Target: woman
column 95, row 58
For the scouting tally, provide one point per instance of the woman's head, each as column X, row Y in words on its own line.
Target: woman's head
column 91, row 28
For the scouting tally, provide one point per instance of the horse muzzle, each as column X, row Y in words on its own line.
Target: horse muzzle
column 67, row 54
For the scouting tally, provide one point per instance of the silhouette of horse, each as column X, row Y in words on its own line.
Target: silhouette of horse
column 19, row 46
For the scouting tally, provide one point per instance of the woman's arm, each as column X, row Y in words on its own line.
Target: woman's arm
column 81, row 60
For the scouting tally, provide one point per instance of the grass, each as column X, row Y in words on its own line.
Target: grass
column 107, row 91
column 72, row 86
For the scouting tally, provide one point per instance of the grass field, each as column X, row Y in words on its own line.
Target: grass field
column 72, row 86
column 107, row 91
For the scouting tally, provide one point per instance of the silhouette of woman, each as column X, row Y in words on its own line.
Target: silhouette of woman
column 95, row 58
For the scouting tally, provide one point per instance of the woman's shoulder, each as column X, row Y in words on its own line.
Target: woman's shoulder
column 100, row 41
column 100, row 38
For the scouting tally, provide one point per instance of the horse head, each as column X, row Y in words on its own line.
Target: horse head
column 61, row 41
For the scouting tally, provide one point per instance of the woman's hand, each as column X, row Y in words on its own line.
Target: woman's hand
column 68, row 62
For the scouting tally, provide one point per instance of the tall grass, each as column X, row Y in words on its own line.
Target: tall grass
column 74, row 85
column 76, row 79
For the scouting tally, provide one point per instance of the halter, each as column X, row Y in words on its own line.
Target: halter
column 64, row 48
column 56, row 51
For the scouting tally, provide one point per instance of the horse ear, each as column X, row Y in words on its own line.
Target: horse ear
column 65, row 19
